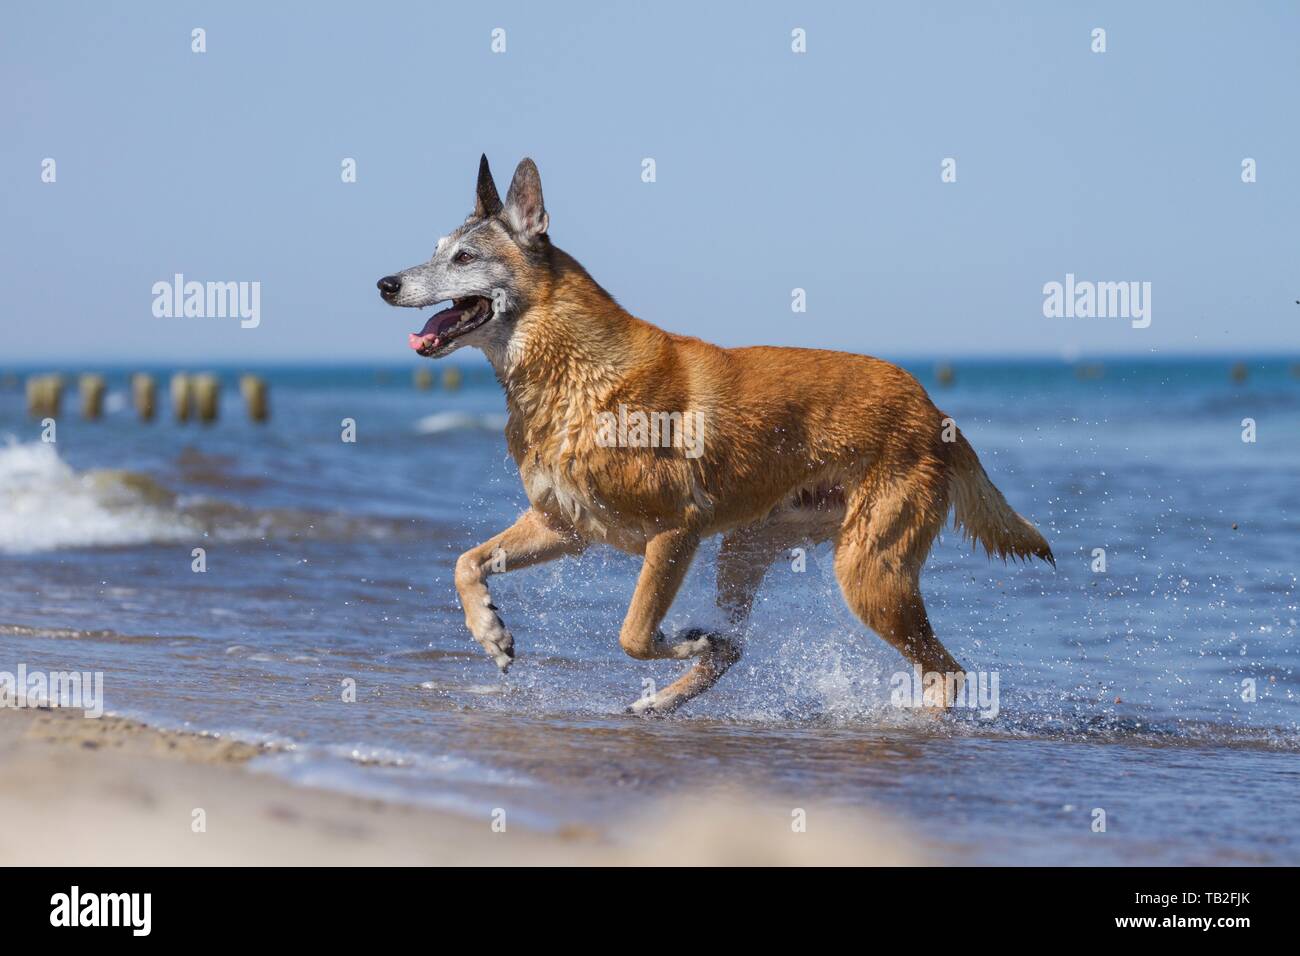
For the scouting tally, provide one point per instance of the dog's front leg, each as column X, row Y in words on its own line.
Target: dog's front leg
column 668, row 557
column 532, row 539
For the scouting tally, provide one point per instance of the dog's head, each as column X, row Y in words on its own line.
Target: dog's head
column 487, row 268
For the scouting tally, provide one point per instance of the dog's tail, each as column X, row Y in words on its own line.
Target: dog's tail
column 983, row 515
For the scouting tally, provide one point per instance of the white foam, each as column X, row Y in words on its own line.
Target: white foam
column 440, row 422
column 46, row 504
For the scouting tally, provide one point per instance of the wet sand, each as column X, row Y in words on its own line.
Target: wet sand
column 112, row 791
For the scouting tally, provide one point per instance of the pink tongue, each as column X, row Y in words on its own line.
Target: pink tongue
column 430, row 336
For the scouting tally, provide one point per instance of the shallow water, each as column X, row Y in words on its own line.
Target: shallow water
column 329, row 561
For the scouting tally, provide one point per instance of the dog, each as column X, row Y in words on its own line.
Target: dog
column 774, row 448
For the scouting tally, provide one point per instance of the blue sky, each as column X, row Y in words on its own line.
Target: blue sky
column 775, row 170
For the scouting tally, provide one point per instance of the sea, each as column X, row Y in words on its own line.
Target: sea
column 279, row 584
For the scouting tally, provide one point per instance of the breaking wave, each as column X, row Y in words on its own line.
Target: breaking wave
column 46, row 505
column 440, row 422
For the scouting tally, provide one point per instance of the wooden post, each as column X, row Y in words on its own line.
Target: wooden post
column 44, row 396
column 33, row 386
column 207, row 397
column 144, row 395
column 253, row 388
column 182, row 396
column 92, row 396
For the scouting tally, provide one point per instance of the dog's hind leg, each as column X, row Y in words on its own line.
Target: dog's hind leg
column 667, row 558
column 878, row 556
column 744, row 558
column 532, row 539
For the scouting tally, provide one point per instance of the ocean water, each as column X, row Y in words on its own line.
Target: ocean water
column 330, row 562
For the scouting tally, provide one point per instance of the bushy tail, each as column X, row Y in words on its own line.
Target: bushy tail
column 982, row 514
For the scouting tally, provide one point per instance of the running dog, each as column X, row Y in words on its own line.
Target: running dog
column 634, row 437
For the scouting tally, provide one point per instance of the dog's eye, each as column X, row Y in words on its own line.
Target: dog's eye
column 462, row 257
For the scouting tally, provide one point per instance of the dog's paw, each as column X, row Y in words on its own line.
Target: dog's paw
column 490, row 631
column 645, row 707
column 691, row 642
column 651, row 705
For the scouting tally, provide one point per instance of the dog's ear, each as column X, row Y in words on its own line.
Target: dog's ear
column 524, row 212
column 487, row 202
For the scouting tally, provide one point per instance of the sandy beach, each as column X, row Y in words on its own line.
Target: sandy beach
column 112, row 791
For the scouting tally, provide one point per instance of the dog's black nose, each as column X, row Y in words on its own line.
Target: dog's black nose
column 389, row 286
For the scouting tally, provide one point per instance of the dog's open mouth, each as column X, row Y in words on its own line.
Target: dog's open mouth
column 464, row 316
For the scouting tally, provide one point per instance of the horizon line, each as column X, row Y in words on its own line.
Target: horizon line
column 898, row 358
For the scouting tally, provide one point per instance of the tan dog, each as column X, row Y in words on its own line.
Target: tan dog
column 631, row 436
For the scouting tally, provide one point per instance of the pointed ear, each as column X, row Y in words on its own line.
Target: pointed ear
column 486, row 200
column 524, row 212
